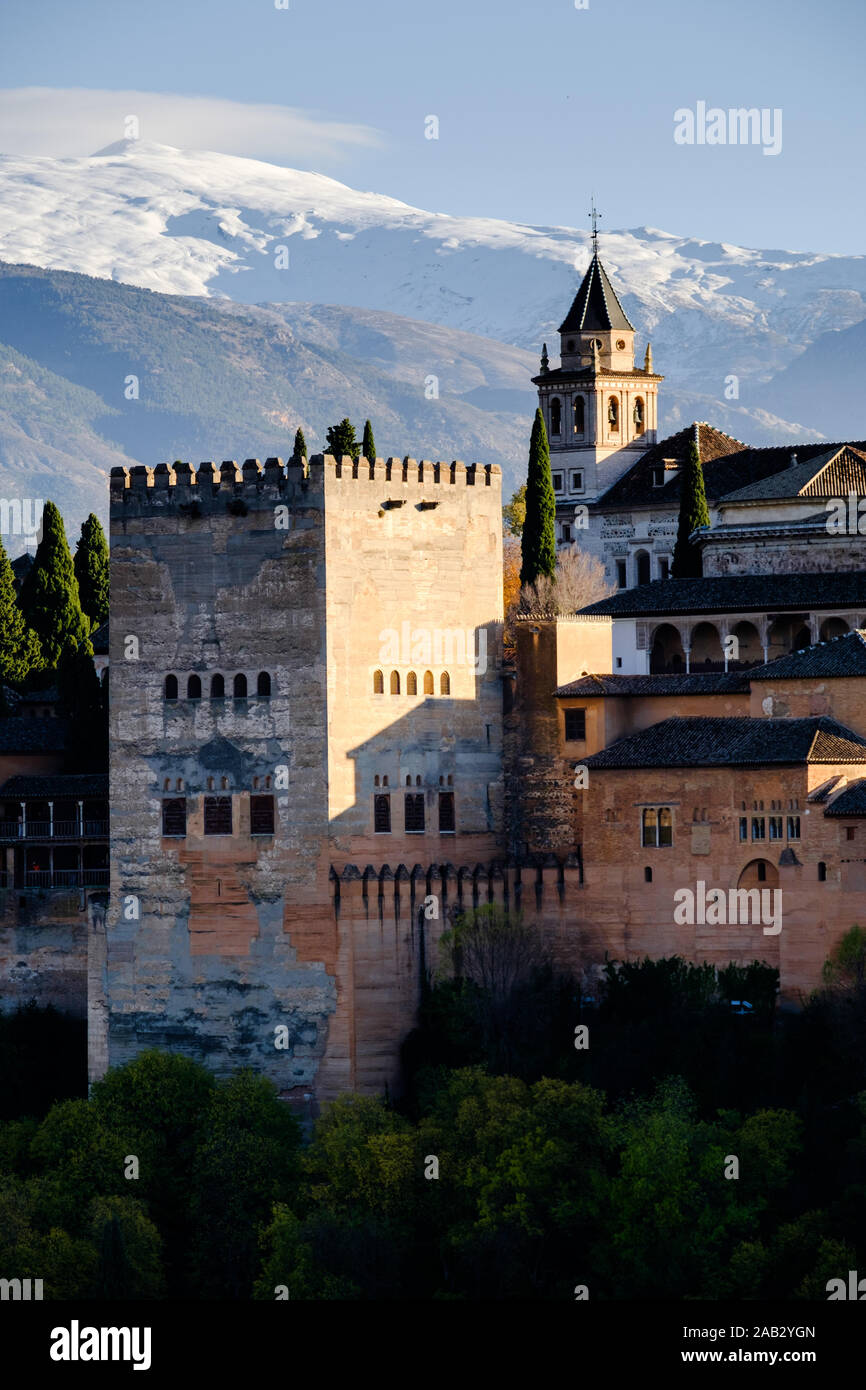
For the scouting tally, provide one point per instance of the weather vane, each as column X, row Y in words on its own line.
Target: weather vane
column 595, row 215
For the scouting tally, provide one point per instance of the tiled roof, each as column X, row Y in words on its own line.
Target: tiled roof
column 732, row 742
column 736, row 593
column 715, row 683
column 850, row 802
column 567, row 374
column 595, row 305
column 73, row 787
column 841, row 656
column 833, row 473
column 728, row 465
column 32, row 735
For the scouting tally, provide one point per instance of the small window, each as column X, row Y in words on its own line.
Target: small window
column 171, row 687
column 556, row 415
column 744, row 827
column 378, row 683
column 446, row 813
column 411, row 684
column 776, row 828
column 174, row 817
column 193, row 688
column 666, row 826
column 218, row 687
column 445, row 684
column 263, row 684
column 261, row 815
column 579, row 418
column 759, row 829
column 376, row 780
column 649, row 827
column 577, row 480
column 210, row 784
column 217, row 815
column 621, row 578
column 414, row 812
column 429, row 688
column 240, row 687
column 557, row 482
column 566, row 531
column 382, row 814
column 613, row 414
column 647, row 874
column 224, row 781
column 575, row 725
column 850, row 832
column 664, row 568
column 659, row 476
column 822, row 871
column 395, row 682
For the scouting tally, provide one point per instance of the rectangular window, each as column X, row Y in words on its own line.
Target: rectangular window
column 666, row 826
column 174, row 817
column 775, row 827
column 217, row 815
column 575, row 725
column 658, row 477
column 382, row 814
column 446, row 813
column 850, row 832
column 759, row 829
column 793, row 827
column 664, row 568
column 744, row 827
column 261, row 815
column 414, row 812
column 620, row 574
column 577, row 480
column 566, row 531
column 557, row 482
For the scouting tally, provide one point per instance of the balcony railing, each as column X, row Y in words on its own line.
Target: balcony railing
column 62, row 878
column 59, row 830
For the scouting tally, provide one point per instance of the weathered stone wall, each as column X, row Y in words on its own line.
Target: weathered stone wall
column 43, row 949
column 842, row 697
column 819, row 554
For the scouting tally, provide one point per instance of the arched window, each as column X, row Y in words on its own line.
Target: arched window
column 665, row 826
column 378, row 683
column 579, row 415
column 395, row 682
column 822, row 871
column 171, row 687
column 263, row 684
column 218, row 687
column 445, row 684
column 428, row 683
column 637, row 415
column 613, row 414
column 240, row 687
column 193, row 688
column 555, row 415
column 649, row 827
column 411, row 684
column 648, row 874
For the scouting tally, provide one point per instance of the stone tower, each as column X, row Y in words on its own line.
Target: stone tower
column 601, row 411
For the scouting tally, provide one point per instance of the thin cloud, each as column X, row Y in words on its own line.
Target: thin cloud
column 78, row 121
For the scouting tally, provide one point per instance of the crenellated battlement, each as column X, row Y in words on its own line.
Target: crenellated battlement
column 184, row 485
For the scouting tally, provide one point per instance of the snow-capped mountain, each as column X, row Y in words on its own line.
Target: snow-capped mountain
column 197, row 223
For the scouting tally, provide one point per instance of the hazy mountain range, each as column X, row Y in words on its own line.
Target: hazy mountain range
column 247, row 299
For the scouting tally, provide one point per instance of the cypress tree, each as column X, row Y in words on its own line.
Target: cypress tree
column 538, row 541
column 693, row 512
column 368, row 448
column 341, row 440
column 300, row 449
column 82, row 696
column 49, row 595
column 20, row 651
column 91, row 570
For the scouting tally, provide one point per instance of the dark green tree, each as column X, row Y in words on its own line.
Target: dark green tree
column 20, row 651
column 368, row 448
column 538, row 540
column 693, row 513
column 300, row 449
column 49, row 596
column 341, row 440
column 91, row 570
column 80, row 691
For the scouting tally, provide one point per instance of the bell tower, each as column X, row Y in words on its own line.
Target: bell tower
column 601, row 412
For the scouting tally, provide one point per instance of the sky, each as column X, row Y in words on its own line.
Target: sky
column 539, row 105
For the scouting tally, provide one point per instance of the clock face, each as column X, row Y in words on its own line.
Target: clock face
column 620, row 342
